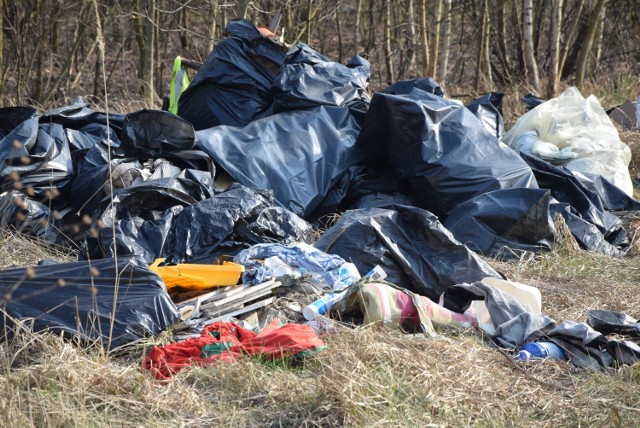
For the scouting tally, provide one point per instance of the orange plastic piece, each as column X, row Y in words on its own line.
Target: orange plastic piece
column 197, row 276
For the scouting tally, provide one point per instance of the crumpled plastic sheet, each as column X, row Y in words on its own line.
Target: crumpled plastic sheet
column 488, row 108
column 515, row 326
column 306, row 260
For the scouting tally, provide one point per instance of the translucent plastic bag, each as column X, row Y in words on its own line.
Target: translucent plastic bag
column 579, row 126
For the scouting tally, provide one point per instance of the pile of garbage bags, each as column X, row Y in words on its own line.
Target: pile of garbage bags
column 266, row 142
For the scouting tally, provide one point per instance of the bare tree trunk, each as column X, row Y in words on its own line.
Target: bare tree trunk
column 309, row 16
column 554, row 49
column 446, row 40
column 149, row 31
column 487, row 47
column 501, row 34
column 571, row 36
column 479, row 52
column 410, row 52
column 530, row 60
column 387, row 42
column 1, row 43
column 340, row 39
column 425, row 38
column 600, row 38
column 587, row 43
column 356, row 39
column 435, row 42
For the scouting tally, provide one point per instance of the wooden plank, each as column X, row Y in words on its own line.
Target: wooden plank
column 241, row 295
column 221, row 309
column 246, row 309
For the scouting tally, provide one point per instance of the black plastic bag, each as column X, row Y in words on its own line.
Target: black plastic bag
column 504, row 223
column 11, row 117
column 233, row 85
column 403, row 87
column 309, row 79
column 531, row 101
column 156, row 133
column 37, row 157
column 441, row 148
column 410, row 244
column 142, row 214
column 236, row 219
column 106, row 301
column 488, row 108
column 583, row 210
column 32, row 218
column 300, row 155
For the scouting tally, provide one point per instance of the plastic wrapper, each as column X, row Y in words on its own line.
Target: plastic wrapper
column 441, row 149
column 300, row 155
column 409, row 244
column 105, row 301
column 309, row 79
column 504, row 223
column 571, row 121
column 233, row 85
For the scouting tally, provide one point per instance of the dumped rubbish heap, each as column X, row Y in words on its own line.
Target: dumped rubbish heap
column 208, row 221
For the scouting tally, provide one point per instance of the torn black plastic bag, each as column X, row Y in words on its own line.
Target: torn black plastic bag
column 410, row 245
column 504, row 223
column 299, row 155
column 233, row 220
column 592, row 226
column 32, row 218
column 37, row 157
column 233, row 85
column 488, row 108
column 309, row 79
column 105, row 301
column 441, row 149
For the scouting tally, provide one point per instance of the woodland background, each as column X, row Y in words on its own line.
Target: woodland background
column 51, row 48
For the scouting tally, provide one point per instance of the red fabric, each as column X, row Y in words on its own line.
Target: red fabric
column 272, row 342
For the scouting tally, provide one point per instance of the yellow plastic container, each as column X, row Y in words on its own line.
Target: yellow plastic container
column 197, row 276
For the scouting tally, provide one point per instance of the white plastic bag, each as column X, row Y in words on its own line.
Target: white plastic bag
column 579, row 126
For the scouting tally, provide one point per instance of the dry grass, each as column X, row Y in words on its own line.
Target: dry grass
column 364, row 378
